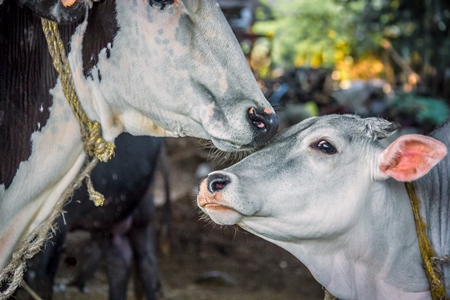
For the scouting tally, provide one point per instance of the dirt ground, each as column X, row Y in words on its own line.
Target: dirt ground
column 205, row 261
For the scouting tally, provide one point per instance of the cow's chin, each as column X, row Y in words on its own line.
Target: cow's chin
column 230, row 146
column 222, row 215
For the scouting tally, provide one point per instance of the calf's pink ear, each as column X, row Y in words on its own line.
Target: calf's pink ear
column 411, row 156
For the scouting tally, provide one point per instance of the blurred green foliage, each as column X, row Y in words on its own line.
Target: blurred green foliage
column 320, row 33
column 315, row 33
column 418, row 29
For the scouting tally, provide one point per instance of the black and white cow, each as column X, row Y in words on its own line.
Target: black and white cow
column 122, row 230
column 147, row 67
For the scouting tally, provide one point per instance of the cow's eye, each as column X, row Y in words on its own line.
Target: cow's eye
column 326, row 147
column 161, row 3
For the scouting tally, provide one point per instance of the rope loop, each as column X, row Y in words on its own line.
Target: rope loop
column 91, row 133
column 95, row 145
column 95, row 196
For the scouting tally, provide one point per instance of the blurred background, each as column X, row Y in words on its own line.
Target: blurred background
column 371, row 57
column 385, row 58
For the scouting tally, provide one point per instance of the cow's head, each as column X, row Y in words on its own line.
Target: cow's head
column 167, row 68
column 317, row 179
column 327, row 191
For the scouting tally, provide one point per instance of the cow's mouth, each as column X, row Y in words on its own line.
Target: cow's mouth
column 221, row 214
column 217, row 207
column 261, row 125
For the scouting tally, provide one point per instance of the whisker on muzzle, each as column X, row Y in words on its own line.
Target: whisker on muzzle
column 220, row 157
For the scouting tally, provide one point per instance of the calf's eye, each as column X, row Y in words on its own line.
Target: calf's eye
column 326, row 147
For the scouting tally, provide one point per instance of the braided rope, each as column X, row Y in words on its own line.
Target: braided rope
column 95, row 196
column 328, row 295
column 430, row 260
column 13, row 272
column 94, row 144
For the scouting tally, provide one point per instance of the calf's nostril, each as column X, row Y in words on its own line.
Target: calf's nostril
column 217, row 182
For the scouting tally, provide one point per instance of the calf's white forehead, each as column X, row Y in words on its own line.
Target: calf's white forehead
column 351, row 125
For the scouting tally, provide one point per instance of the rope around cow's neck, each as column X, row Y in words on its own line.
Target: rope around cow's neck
column 94, row 145
column 93, row 142
column 430, row 260
column 14, row 271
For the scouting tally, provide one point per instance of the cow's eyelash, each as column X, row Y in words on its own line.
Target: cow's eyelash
column 324, row 146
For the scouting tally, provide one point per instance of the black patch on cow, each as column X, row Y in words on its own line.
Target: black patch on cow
column 26, row 76
column 101, row 29
column 99, row 75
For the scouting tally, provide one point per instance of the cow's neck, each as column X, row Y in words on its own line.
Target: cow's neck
column 433, row 190
column 44, row 147
column 374, row 260
column 92, row 41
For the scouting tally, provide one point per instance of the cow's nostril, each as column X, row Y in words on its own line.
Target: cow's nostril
column 217, row 182
column 265, row 124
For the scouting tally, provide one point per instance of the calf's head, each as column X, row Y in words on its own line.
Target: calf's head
column 314, row 180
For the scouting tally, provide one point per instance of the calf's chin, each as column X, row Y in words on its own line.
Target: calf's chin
column 222, row 215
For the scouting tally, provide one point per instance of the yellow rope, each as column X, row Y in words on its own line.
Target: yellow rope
column 12, row 274
column 432, row 270
column 328, row 295
column 94, row 144
column 95, row 196
column 30, row 291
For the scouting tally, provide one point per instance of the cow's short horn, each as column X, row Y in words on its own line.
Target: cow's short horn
column 265, row 124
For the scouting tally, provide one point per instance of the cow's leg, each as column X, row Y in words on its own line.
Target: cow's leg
column 142, row 238
column 118, row 258
column 90, row 260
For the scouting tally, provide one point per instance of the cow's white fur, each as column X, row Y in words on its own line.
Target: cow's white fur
column 197, row 85
column 58, row 144
column 350, row 226
column 165, row 75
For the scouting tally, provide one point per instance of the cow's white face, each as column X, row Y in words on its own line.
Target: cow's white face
column 319, row 190
column 174, row 72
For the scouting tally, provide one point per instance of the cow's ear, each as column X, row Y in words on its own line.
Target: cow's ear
column 57, row 11
column 410, row 157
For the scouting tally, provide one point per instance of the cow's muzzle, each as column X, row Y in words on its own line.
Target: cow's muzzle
column 265, row 124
